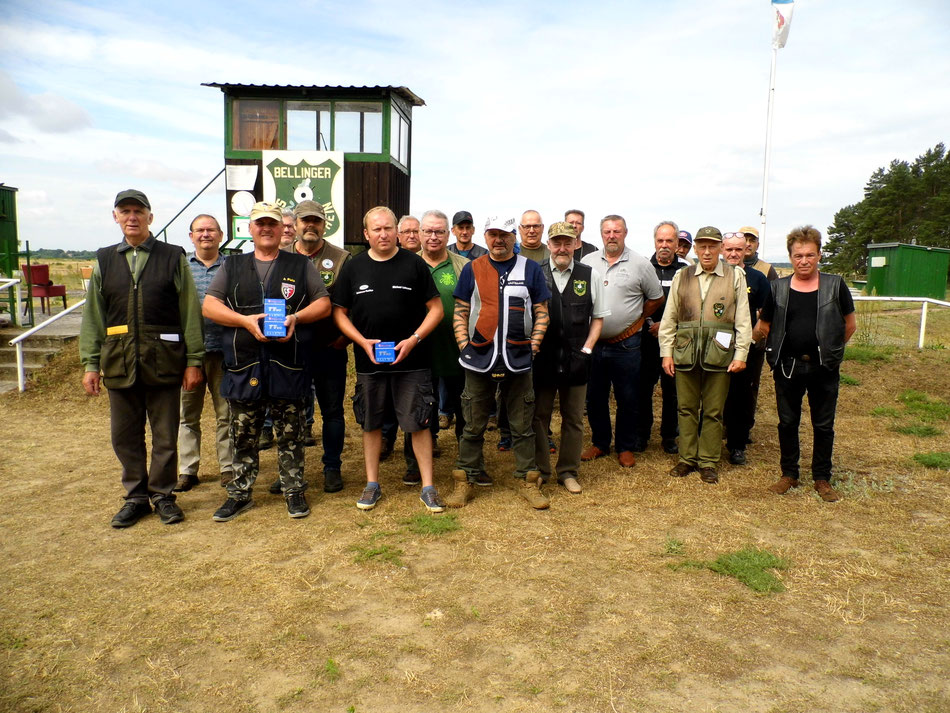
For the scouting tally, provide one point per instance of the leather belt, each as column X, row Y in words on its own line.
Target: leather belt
column 628, row 332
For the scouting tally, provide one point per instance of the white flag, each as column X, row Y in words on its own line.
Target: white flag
column 782, row 22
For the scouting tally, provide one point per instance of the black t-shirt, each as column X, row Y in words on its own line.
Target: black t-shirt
column 387, row 301
column 801, row 319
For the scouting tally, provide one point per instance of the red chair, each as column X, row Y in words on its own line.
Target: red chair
column 38, row 277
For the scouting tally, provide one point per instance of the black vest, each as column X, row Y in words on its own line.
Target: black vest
column 829, row 322
column 560, row 358
column 146, row 339
column 258, row 370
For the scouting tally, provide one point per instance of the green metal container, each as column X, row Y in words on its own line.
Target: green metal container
column 901, row 270
column 9, row 245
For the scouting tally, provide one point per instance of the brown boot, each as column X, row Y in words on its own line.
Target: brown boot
column 827, row 493
column 459, row 497
column 784, row 484
column 531, row 491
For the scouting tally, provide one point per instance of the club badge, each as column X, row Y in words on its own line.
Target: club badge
column 287, row 290
column 719, row 309
column 580, row 287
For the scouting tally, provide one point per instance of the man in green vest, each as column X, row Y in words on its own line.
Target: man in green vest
column 141, row 337
column 705, row 336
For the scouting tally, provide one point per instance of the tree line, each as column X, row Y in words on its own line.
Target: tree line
column 903, row 203
column 46, row 254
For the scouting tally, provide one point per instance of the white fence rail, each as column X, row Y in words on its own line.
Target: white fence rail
column 14, row 283
column 19, row 339
column 924, row 301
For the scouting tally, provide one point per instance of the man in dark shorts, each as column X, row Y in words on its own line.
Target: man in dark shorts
column 384, row 295
column 808, row 318
column 262, row 373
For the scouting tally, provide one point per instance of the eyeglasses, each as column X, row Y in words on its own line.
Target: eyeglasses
column 532, row 226
column 430, row 233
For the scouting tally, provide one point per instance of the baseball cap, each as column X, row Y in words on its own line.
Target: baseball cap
column 749, row 230
column 266, row 210
column 306, row 209
column 562, row 228
column 495, row 222
column 130, row 194
column 709, row 233
column 684, row 235
column 461, row 217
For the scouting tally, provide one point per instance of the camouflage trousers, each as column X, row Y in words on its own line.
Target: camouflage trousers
column 247, row 419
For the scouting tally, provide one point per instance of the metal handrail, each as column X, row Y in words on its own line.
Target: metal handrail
column 164, row 230
column 17, row 342
column 923, row 309
column 13, row 283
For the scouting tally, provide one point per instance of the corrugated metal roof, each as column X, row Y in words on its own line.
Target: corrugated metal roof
column 403, row 92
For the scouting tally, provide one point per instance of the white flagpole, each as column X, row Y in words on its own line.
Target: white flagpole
column 768, row 152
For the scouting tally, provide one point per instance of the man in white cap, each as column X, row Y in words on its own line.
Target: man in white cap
column 501, row 315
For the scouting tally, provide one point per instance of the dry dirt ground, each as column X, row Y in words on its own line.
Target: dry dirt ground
column 574, row 609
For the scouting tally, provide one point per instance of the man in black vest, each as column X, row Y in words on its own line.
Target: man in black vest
column 562, row 365
column 262, row 372
column 808, row 318
column 141, row 337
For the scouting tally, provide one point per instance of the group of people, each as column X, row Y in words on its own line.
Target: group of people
column 516, row 328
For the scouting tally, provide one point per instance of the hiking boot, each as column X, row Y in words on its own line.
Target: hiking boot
column 531, row 491
column 308, row 439
column 681, row 470
column 709, row 475
column 571, row 485
column 459, row 497
column 266, row 439
column 432, row 501
column 332, row 480
column 784, row 484
column 482, row 479
column 275, row 488
column 737, row 456
column 231, row 509
column 297, row 505
column 226, row 478
column 827, row 493
column 186, row 481
column 592, row 453
column 669, row 446
column 412, row 477
column 504, row 444
column 168, row 511
column 370, row 496
column 130, row 513
column 626, row 459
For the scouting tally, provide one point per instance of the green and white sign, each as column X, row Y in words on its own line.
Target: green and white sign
column 291, row 177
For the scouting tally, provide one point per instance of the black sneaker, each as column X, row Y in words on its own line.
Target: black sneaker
column 332, row 481
column 131, row 513
column 231, row 509
column 274, row 488
column 168, row 511
column 483, row 479
column 266, row 439
column 737, row 456
column 669, row 446
column 412, row 477
column 297, row 505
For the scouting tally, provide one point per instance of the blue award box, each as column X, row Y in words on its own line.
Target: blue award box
column 275, row 312
column 385, row 352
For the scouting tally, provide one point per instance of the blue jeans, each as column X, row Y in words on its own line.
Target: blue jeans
column 616, row 365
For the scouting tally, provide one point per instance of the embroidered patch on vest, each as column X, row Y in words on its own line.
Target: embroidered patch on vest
column 580, row 287
column 719, row 309
column 254, row 381
column 326, row 276
column 287, row 290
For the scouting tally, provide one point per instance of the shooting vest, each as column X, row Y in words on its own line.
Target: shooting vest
column 699, row 320
column 560, row 358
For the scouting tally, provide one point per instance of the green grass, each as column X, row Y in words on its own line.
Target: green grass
column 379, row 553
column 888, row 411
column 918, row 429
column 848, row 380
column 331, row 670
column 935, row 459
column 865, row 353
column 925, row 407
column 750, row 566
column 425, row 524
column 672, row 546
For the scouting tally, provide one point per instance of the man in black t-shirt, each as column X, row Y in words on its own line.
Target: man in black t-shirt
column 386, row 294
column 808, row 318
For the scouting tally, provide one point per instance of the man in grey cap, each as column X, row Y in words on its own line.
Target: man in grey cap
column 141, row 338
column 464, row 230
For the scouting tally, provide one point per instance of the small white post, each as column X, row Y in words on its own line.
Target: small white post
column 20, row 376
column 923, row 324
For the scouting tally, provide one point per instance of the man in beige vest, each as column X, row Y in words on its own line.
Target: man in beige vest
column 704, row 337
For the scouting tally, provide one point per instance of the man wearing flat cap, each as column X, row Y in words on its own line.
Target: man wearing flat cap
column 704, row 337
column 262, row 369
column 141, row 337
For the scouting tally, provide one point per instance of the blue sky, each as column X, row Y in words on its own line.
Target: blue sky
column 651, row 110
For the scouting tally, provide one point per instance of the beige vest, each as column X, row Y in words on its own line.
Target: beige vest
column 699, row 320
